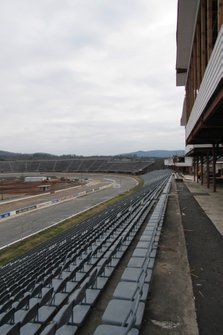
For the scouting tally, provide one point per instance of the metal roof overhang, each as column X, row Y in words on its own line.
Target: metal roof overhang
column 209, row 127
column 186, row 22
column 204, row 151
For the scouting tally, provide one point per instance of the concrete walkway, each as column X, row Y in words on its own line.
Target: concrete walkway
column 170, row 309
column 187, row 285
column 205, row 250
column 211, row 202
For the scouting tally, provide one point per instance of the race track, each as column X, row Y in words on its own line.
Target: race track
column 21, row 226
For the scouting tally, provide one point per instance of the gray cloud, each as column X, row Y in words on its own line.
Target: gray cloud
column 88, row 77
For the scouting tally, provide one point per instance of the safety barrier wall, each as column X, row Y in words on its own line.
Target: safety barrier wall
column 51, row 202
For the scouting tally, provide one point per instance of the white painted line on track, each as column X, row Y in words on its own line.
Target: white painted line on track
column 28, row 209
column 54, row 224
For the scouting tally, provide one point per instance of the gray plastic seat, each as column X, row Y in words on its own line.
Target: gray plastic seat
column 11, row 329
column 50, row 329
column 127, row 290
column 46, row 295
column 7, row 317
column 64, row 321
column 119, row 310
column 30, row 324
column 139, row 252
column 79, row 309
column 144, row 244
column 115, row 330
column 134, row 274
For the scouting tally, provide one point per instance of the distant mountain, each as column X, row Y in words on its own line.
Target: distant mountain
column 156, row 153
column 6, row 155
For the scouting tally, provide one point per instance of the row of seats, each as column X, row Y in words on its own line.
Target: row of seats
column 73, row 277
column 77, row 230
column 54, row 247
column 124, row 312
column 44, row 282
column 103, row 268
column 75, row 165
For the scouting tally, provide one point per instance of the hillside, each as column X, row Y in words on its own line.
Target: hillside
column 6, row 155
column 156, row 153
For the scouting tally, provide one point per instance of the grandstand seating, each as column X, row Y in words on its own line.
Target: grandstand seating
column 77, row 165
column 53, row 288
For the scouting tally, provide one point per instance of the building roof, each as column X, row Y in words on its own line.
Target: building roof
column 203, row 150
column 186, row 22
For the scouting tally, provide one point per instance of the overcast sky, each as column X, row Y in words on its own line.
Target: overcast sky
column 89, row 76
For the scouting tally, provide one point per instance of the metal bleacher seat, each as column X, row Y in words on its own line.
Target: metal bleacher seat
column 6, row 305
column 22, row 308
column 72, row 315
column 27, row 314
column 42, row 298
column 50, row 329
column 13, row 329
column 128, row 290
column 126, row 314
column 4, row 299
column 117, row 330
column 65, row 322
column 92, row 291
column 30, row 323
column 7, row 319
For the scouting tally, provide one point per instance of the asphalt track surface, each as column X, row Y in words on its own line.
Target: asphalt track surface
column 14, row 229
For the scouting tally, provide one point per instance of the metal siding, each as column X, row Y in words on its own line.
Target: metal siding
column 212, row 77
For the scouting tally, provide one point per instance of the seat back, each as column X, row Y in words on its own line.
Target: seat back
column 47, row 296
column 14, row 330
column 23, row 303
column 31, row 314
column 92, row 279
column 8, row 317
column 37, row 292
column 51, row 329
column 81, row 294
column 66, row 315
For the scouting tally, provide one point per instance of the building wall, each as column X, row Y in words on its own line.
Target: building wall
column 208, row 24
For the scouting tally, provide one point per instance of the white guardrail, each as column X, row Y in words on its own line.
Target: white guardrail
column 51, row 202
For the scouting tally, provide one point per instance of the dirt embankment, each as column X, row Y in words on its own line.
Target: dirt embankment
column 12, row 188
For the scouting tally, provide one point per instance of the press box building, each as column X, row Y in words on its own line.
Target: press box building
column 199, row 68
